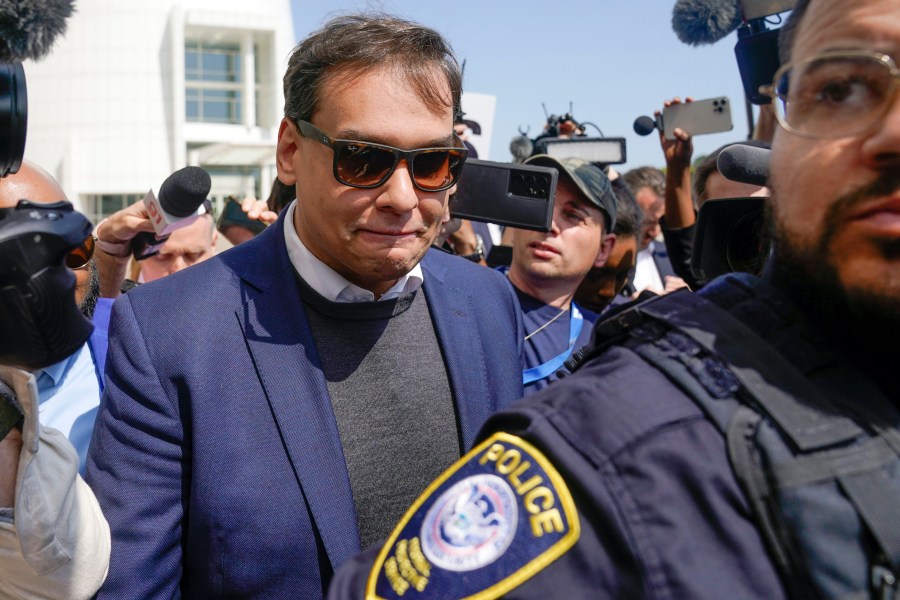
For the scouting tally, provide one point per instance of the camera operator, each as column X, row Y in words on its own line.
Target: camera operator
column 69, row 390
column 758, row 459
column 686, row 193
column 547, row 268
column 54, row 540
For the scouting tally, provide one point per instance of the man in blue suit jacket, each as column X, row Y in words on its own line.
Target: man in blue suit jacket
column 273, row 410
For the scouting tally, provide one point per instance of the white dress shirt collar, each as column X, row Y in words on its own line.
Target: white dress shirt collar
column 327, row 282
column 646, row 273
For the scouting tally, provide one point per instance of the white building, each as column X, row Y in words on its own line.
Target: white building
column 480, row 108
column 136, row 90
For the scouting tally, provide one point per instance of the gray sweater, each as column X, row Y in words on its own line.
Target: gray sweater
column 391, row 399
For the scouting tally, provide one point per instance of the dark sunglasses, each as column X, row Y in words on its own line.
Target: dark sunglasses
column 368, row 165
column 81, row 256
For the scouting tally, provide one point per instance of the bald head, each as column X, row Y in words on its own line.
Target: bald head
column 30, row 183
column 35, row 184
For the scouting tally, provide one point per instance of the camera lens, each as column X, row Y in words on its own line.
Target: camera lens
column 747, row 247
column 13, row 117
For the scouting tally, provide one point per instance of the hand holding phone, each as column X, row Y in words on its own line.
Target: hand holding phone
column 696, row 118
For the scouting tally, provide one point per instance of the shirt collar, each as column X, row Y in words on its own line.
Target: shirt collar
column 327, row 282
column 57, row 371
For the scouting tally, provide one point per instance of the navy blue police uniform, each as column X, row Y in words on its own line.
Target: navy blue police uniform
column 614, row 483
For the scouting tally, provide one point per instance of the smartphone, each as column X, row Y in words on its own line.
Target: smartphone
column 696, row 118
column 510, row 194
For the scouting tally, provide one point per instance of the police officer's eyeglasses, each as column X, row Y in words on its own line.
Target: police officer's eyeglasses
column 367, row 165
column 834, row 94
column 81, row 256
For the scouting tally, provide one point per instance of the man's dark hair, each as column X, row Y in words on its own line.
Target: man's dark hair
column 788, row 31
column 353, row 44
column 629, row 216
column 280, row 195
column 649, row 177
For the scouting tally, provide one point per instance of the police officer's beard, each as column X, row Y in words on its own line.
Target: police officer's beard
column 89, row 302
column 866, row 319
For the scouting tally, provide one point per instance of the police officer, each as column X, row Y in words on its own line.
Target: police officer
column 758, row 457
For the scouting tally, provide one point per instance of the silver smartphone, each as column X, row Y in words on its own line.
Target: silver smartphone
column 696, row 118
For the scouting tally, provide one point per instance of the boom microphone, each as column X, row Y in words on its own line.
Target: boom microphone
column 698, row 22
column 521, row 148
column 29, row 29
column 745, row 164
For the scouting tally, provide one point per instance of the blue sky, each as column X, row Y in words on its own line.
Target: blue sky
column 613, row 59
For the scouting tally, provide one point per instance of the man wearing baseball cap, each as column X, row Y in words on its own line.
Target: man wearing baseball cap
column 547, row 268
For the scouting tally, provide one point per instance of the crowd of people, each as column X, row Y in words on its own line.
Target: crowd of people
column 350, row 403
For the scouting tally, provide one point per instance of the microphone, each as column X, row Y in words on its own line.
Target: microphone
column 645, row 125
column 698, row 22
column 745, row 164
column 179, row 200
column 521, row 148
column 178, row 204
column 29, row 29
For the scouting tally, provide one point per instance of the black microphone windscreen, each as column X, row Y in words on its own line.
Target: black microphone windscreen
column 182, row 193
column 28, row 29
column 745, row 164
column 697, row 22
column 644, row 125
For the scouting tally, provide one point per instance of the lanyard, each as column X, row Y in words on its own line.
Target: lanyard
column 576, row 321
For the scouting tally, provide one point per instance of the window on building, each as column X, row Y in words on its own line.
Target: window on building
column 213, row 82
column 100, row 206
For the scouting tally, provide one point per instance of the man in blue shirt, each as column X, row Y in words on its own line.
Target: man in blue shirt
column 547, row 268
column 69, row 391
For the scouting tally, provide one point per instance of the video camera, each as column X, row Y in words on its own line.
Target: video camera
column 565, row 137
column 730, row 235
column 40, row 322
column 13, row 117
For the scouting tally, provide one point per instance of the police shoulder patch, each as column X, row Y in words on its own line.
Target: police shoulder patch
column 490, row 522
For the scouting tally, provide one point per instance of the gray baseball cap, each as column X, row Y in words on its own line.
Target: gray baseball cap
column 588, row 178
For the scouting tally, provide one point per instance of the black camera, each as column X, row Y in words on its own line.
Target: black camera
column 13, row 117
column 41, row 324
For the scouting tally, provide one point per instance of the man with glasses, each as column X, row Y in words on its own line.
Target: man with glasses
column 759, row 456
column 69, row 390
column 54, row 541
column 274, row 409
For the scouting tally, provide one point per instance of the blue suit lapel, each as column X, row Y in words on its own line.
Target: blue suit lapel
column 453, row 315
column 278, row 336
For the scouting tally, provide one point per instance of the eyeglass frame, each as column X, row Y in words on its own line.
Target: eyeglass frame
column 879, row 57
column 89, row 246
column 314, row 133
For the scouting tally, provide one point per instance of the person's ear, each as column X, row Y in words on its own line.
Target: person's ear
column 607, row 243
column 285, row 150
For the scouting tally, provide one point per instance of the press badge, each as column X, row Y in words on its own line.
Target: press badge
column 499, row 515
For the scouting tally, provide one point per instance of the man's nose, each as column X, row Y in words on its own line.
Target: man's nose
column 881, row 148
column 398, row 193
